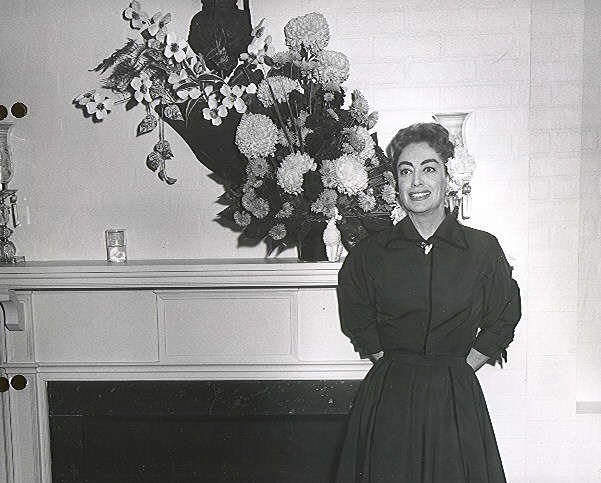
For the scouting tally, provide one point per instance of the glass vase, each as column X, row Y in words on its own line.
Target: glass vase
column 312, row 248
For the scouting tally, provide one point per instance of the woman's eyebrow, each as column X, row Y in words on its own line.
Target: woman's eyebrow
column 425, row 161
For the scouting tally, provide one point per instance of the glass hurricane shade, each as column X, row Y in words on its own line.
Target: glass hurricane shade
column 6, row 165
column 454, row 122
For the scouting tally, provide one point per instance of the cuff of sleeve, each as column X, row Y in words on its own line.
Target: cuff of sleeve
column 487, row 343
column 366, row 348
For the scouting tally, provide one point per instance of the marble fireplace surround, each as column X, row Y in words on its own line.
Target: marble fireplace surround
column 159, row 320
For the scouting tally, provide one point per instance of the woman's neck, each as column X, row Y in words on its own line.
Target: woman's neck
column 426, row 224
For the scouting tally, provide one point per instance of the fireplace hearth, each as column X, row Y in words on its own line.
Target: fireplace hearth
column 197, row 431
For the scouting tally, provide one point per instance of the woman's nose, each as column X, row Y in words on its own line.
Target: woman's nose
column 417, row 179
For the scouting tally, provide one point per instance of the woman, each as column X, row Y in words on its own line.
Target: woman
column 429, row 301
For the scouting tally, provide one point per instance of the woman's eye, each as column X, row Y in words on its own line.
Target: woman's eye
column 429, row 169
column 404, row 172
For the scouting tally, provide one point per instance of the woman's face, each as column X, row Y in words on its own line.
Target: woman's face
column 422, row 179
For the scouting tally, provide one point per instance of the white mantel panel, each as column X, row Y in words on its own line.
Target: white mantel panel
column 95, row 326
column 319, row 334
column 228, row 325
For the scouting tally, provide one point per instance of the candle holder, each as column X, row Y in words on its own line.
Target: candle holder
column 459, row 200
column 8, row 199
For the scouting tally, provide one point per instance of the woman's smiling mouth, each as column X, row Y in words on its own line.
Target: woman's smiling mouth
column 419, row 195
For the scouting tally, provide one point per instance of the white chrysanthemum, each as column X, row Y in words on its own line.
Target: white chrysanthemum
column 291, row 171
column 389, row 194
column 389, row 177
column 359, row 107
column 285, row 57
column 350, row 174
column 242, row 218
column 362, row 142
column 257, row 167
column 290, row 180
column 332, row 68
column 310, row 31
column 276, row 88
column 256, row 136
column 247, row 198
column 304, row 162
column 328, row 173
column 283, row 139
column 259, row 207
column 278, row 232
column 367, row 202
column 325, row 203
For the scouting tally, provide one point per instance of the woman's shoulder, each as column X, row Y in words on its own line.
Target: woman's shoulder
column 370, row 248
column 480, row 238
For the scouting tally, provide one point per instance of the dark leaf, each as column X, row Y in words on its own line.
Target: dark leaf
column 257, row 229
column 131, row 47
column 228, row 212
column 155, row 54
column 148, row 124
column 154, row 161
column 172, row 112
column 121, row 76
column 208, row 77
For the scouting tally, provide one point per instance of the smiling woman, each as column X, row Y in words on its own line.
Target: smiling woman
column 429, row 301
column 422, row 180
column 419, row 153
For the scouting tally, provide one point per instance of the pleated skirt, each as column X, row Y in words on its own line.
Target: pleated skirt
column 420, row 419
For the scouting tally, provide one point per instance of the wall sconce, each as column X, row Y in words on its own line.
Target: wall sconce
column 8, row 197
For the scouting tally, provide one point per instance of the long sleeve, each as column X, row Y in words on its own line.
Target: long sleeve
column 502, row 307
column 357, row 304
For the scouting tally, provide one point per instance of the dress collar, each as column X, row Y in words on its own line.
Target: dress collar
column 449, row 231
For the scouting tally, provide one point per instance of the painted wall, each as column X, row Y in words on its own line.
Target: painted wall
column 520, row 65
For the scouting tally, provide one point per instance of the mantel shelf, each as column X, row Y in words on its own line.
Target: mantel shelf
column 74, row 274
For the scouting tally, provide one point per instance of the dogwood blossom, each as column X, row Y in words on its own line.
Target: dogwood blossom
column 141, row 86
column 99, row 106
column 214, row 112
column 232, row 97
column 158, row 25
column 138, row 17
column 175, row 48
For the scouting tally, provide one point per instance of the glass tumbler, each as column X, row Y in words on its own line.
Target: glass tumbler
column 116, row 245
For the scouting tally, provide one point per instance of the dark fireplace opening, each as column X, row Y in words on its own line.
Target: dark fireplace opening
column 197, row 431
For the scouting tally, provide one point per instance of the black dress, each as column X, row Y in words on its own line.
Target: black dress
column 420, row 415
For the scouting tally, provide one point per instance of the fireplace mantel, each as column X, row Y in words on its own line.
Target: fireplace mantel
column 251, row 319
column 268, row 272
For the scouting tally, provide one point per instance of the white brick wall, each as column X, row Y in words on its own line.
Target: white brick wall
column 517, row 64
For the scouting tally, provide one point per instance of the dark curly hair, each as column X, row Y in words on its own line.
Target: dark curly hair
column 432, row 133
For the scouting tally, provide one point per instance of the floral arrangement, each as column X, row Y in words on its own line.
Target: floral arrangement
column 307, row 156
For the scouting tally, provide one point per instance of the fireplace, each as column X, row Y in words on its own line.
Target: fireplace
column 197, row 431
column 174, row 370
